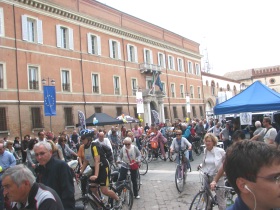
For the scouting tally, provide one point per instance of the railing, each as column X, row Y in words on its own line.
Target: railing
column 149, row 68
column 66, row 87
column 34, row 85
column 95, row 89
column 117, row 91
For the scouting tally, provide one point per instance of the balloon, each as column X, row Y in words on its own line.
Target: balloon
column 95, row 121
column 124, row 120
column 141, row 120
column 1, row 169
column 187, row 119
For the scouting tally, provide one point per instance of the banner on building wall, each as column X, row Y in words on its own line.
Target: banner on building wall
column 246, row 118
column 188, row 104
column 49, row 101
column 82, row 119
column 139, row 102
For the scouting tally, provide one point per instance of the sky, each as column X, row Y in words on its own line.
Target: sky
column 236, row 34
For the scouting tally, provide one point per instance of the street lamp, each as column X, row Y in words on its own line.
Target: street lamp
column 49, row 99
column 188, row 105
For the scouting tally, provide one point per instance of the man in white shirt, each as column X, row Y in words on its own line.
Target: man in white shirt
column 105, row 141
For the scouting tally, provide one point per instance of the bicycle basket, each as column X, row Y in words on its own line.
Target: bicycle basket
column 154, row 144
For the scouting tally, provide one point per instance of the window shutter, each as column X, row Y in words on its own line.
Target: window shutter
column 111, row 50
column 151, row 57
column 1, row 22
column 136, row 54
column 58, row 36
column 71, row 40
column 24, row 27
column 178, row 64
column 98, row 45
column 145, row 56
column 119, row 50
column 40, row 31
column 164, row 61
column 169, row 65
column 89, row 43
column 128, row 52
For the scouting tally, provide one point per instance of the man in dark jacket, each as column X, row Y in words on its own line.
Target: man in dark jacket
column 56, row 174
column 20, row 187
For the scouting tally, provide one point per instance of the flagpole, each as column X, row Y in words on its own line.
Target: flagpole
column 53, row 83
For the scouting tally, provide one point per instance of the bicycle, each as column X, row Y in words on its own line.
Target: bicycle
column 197, row 145
column 181, row 171
column 205, row 199
column 89, row 199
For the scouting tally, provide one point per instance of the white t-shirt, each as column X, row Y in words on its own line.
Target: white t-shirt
column 106, row 142
column 269, row 135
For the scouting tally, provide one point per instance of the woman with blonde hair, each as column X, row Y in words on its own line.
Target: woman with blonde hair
column 56, row 153
column 212, row 161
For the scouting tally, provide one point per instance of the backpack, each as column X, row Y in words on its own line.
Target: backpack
column 105, row 151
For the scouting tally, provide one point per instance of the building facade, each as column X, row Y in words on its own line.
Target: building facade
column 217, row 89
column 98, row 58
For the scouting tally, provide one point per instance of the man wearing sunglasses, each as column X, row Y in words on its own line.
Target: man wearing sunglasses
column 253, row 170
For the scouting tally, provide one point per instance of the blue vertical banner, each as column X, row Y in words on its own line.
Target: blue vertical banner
column 49, row 101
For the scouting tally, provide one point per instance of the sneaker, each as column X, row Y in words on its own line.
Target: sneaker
column 137, row 197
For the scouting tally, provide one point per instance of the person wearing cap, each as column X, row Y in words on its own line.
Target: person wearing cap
column 128, row 154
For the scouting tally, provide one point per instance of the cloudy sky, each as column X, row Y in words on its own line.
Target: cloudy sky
column 238, row 34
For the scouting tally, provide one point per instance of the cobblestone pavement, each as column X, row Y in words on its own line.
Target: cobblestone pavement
column 158, row 190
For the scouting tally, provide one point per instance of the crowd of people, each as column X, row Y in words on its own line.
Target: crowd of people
column 43, row 156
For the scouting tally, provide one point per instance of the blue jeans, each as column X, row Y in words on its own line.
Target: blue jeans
column 138, row 143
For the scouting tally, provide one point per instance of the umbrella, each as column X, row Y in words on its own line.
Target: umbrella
column 128, row 119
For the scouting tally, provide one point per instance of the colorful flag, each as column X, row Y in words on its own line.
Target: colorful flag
column 158, row 83
column 49, row 101
column 82, row 119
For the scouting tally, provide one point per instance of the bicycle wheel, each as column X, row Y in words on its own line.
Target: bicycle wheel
column 179, row 179
column 85, row 204
column 150, row 155
column 126, row 195
column 144, row 153
column 143, row 169
column 159, row 153
column 199, row 201
column 171, row 156
column 138, row 180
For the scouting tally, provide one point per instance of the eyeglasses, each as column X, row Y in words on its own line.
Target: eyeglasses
column 40, row 154
column 64, row 140
column 5, row 187
column 274, row 178
column 127, row 144
column 178, row 134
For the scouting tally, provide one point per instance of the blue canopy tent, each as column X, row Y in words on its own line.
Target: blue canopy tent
column 257, row 97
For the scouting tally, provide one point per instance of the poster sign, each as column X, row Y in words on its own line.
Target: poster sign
column 246, row 118
column 139, row 102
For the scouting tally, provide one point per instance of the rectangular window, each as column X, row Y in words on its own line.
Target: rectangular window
column 68, row 116
column 132, row 53
column 199, row 92
column 175, row 112
column 172, row 90
column 201, row 111
column 197, row 69
column 115, row 49
column 192, row 92
column 65, row 75
column 119, row 111
column 3, row 119
column 149, row 82
column 184, row 111
column 32, row 30
column 171, row 62
column 33, row 75
column 64, row 37
column 134, row 86
column 166, row 113
column 148, row 56
column 117, row 86
column 194, row 111
column 180, row 64
column 1, row 76
column 94, row 44
column 190, row 67
column 36, row 117
column 182, row 91
column 2, row 22
column 97, row 110
column 163, row 87
column 95, row 83
column 161, row 60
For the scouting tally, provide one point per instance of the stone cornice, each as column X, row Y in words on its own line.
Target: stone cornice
column 46, row 6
